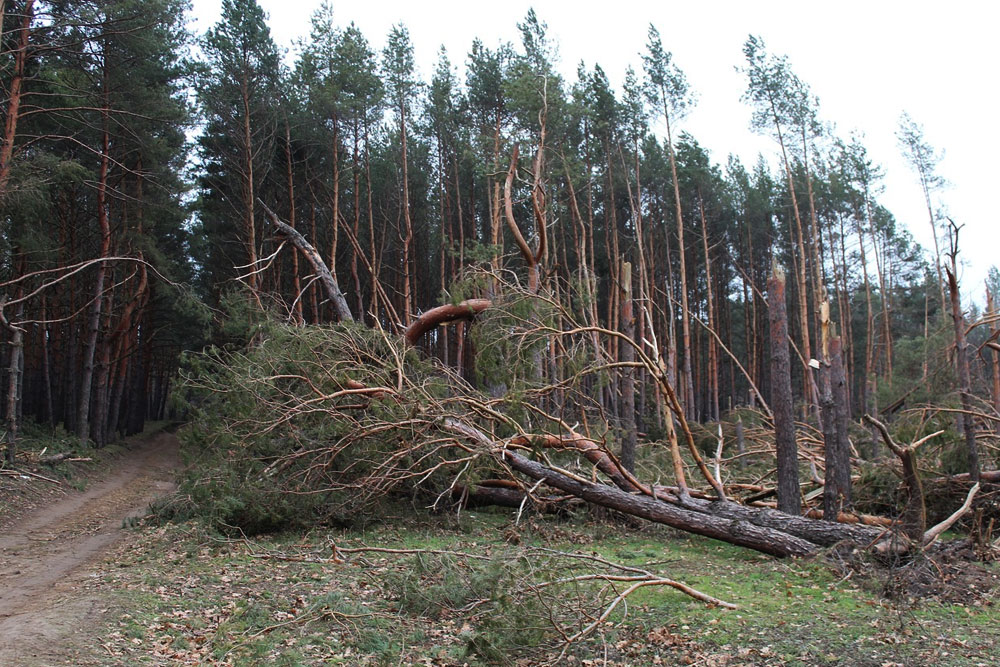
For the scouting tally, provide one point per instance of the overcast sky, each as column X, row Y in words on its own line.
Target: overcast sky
column 868, row 61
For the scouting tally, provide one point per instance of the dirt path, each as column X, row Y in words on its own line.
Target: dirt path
column 48, row 557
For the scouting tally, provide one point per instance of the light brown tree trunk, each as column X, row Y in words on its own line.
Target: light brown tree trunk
column 14, row 93
column 356, row 225
column 408, row 224
column 335, row 223
column 713, row 354
column 991, row 311
column 688, row 379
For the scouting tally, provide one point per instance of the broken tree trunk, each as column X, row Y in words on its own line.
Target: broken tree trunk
column 765, row 530
column 326, row 278
column 837, row 481
column 736, row 531
column 914, row 515
column 789, row 499
column 962, row 366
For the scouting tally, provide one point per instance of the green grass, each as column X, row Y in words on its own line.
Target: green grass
column 201, row 598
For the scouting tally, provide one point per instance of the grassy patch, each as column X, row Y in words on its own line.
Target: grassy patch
column 192, row 596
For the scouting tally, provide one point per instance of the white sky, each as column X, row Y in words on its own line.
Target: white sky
column 866, row 60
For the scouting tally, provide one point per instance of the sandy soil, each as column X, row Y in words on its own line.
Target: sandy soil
column 50, row 597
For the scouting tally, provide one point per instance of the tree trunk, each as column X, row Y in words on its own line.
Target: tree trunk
column 290, row 183
column 991, row 311
column 736, row 531
column 94, row 321
column 713, row 352
column 964, row 381
column 628, row 373
column 249, row 194
column 14, row 376
column 408, row 237
column 837, row 486
column 688, row 382
column 329, row 283
column 14, row 94
column 789, row 497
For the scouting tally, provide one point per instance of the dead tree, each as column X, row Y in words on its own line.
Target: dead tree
column 962, row 356
column 430, row 425
column 789, row 497
column 833, row 403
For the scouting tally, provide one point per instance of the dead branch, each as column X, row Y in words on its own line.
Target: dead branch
column 931, row 535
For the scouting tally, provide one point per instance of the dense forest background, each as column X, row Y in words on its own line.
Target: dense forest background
column 137, row 160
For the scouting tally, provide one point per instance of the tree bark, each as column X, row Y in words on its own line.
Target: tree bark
column 837, row 483
column 14, row 94
column 733, row 531
column 443, row 315
column 94, row 321
column 962, row 366
column 789, row 497
column 629, row 438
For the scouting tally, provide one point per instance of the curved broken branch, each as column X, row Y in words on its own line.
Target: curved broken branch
column 443, row 315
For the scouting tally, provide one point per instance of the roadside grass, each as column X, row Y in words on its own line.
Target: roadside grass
column 190, row 597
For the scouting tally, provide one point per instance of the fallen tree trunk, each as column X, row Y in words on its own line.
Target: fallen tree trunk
column 818, row 533
column 476, row 495
column 734, row 531
column 988, row 476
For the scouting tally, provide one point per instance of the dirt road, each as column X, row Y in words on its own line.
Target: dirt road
column 48, row 558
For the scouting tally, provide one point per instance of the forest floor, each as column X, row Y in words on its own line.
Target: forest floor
column 77, row 589
column 56, row 536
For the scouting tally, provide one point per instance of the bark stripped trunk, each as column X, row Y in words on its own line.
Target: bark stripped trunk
column 789, row 498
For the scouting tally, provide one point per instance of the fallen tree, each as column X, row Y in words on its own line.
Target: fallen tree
column 339, row 418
